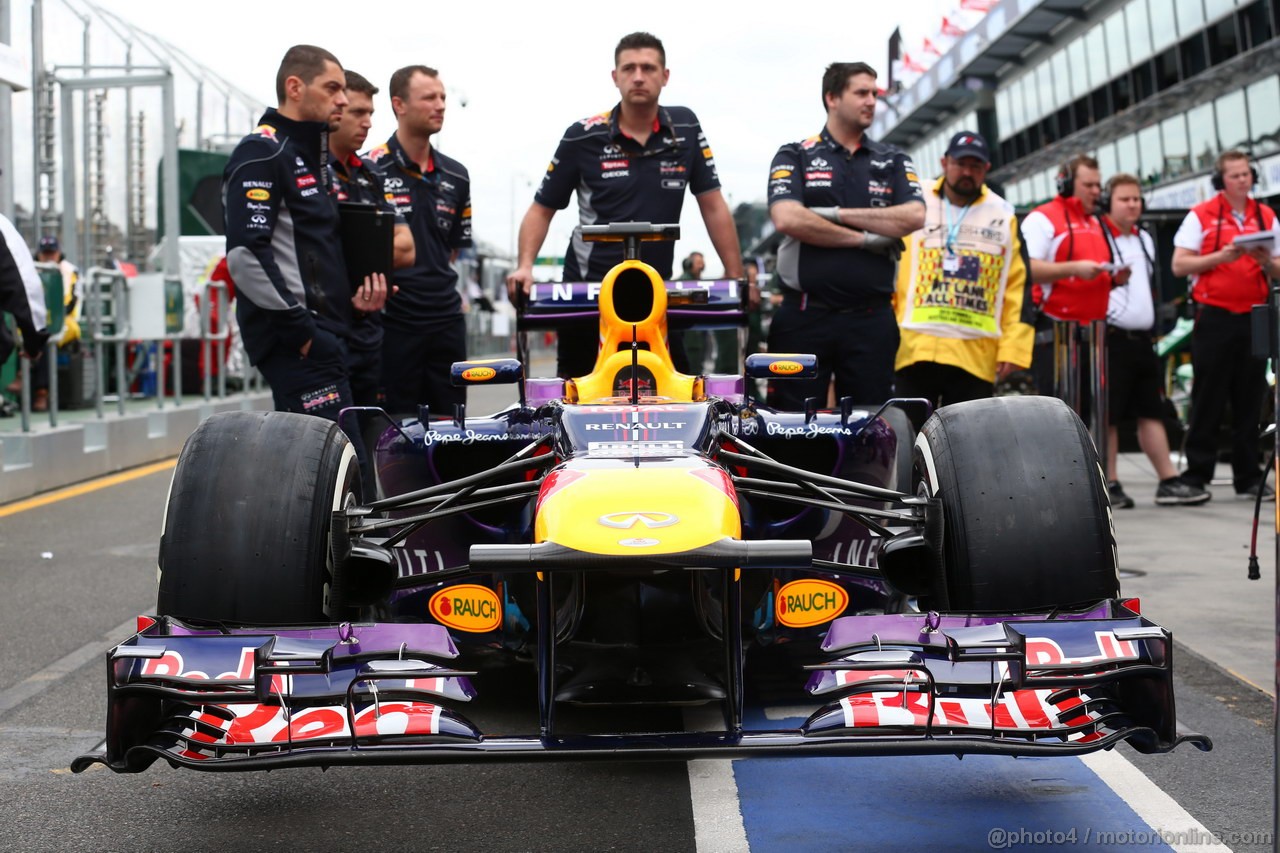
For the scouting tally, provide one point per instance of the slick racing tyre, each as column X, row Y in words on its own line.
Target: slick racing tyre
column 246, row 529
column 1026, row 519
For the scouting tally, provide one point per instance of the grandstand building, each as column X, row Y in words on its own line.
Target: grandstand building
column 1153, row 87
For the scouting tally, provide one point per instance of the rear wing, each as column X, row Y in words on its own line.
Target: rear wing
column 717, row 304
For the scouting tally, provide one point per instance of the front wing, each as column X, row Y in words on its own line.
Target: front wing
column 237, row 698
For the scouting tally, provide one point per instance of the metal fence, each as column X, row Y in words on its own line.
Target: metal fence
column 117, row 364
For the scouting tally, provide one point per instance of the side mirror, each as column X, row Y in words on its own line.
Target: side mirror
column 781, row 365
column 492, row 371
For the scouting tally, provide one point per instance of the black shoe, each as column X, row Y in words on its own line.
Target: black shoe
column 1119, row 499
column 1177, row 492
column 1251, row 493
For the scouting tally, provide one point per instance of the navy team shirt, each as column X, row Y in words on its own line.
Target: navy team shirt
column 820, row 172
column 620, row 180
column 437, row 206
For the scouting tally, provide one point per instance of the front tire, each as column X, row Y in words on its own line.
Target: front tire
column 246, row 534
column 1027, row 521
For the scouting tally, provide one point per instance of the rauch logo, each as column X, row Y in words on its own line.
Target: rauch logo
column 467, row 607
column 804, row 603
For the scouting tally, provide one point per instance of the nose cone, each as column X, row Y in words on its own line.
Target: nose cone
column 664, row 508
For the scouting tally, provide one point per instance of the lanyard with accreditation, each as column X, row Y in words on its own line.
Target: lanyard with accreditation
column 958, row 270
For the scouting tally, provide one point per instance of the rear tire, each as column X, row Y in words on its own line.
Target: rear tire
column 1027, row 520
column 246, row 535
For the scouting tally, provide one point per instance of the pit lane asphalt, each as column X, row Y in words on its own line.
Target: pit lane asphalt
column 102, row 573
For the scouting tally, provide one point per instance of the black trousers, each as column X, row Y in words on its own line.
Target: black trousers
column 1226, row 373
column 415, row 366
column 365, row 365
column 857, row 347
column 940, row 384
column 315, row 385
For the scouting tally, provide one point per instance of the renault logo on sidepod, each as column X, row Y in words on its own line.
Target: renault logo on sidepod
column 627, row 520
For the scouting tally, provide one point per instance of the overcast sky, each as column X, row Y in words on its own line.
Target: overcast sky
column 519, row 73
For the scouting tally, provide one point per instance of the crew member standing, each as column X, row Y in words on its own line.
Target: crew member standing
column 1135, row 378
column 629, row 164
column 284, row 250
column 966, row 323
column 1069, row 255
column 355, row 181
column 1227, row 280
column 843, row 201
column 425, row 329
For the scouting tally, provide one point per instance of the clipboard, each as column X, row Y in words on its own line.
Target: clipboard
column 1258, row 238
column 368, row 238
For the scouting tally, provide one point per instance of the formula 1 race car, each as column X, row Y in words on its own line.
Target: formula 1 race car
column 628, row 542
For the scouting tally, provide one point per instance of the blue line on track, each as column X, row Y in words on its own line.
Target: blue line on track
column 933, row 803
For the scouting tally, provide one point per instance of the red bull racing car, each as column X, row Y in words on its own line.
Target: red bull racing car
column 631, row 541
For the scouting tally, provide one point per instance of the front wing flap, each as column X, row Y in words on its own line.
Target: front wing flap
column 217, row 698
column 1079, row 680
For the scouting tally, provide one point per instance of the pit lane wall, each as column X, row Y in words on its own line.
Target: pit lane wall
column 53, row 457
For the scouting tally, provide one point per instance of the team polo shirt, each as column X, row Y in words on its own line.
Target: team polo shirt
column 820, row 172
column 437, row 206
column 355, row 181
column 619, row 180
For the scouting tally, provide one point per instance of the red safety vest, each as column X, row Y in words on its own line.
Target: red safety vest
column 1078, row 238
column 1239, row 285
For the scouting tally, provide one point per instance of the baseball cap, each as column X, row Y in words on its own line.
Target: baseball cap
column 966, row 143
column 49, row 243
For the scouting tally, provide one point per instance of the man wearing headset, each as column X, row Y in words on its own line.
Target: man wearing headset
column 1135, row 379
column 1227, row 280
column 1068, row 252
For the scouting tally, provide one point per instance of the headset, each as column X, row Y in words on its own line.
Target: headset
column 1104, row 200
column 1066, row 180
column 1216, row 178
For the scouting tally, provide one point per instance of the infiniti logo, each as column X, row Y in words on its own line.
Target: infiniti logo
column 627, row 520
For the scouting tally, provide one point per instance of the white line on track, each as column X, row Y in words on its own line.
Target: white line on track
column 50, row 674
column 1161, row 812
column 717, row 813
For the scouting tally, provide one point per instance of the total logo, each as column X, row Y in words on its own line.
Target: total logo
column 467, row 607
column 805, row 603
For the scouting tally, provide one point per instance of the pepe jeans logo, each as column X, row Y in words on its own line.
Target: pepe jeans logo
column 627, row 520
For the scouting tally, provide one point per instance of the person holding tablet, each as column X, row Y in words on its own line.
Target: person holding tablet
column 1227, row 279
